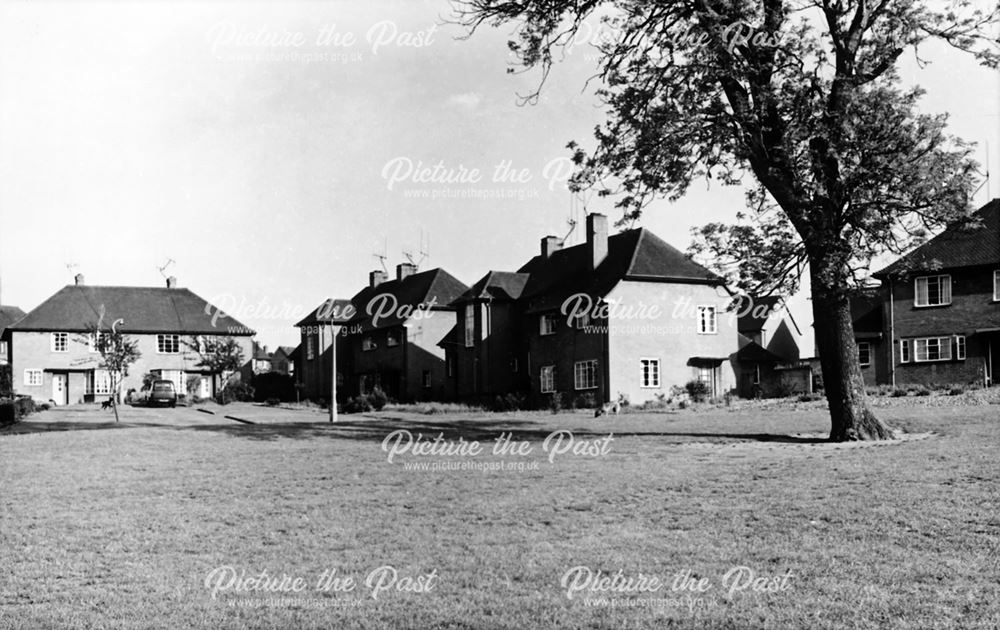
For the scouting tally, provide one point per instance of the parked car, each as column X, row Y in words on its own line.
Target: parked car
column 163, row 393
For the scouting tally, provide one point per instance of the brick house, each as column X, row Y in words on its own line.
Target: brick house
column 388, row 338
column 624, row 314
column 53, row 359
column 935, row 318
column 8, row 315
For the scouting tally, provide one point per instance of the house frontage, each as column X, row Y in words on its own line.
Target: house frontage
column 935, row 318
column 53, row 357
column 8, row 315
column 626, row 314
column 387, row 337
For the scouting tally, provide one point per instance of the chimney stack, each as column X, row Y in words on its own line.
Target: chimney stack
column 171, row 282
column 550, row 245
column 405, row 270
column 597, row 238
column 78, row 279
column 376, row 278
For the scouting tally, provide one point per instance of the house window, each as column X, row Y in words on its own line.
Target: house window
column 548, row 379
column 168, row 344
column 427, row 378
column 585, row 374
column 649, row 372
column 756, row 374
column 932, row 291
column 470, row 325
column 392, row 338
column 707, row 320
column 60, row 342
column 3, row 350
column 547, row 324
column 996, row 285
column 904, row 350
column 92, row 342
column 582, row 321
column 367, row 344
column 705, row 375
column 960, row 347
column 99, row 382
column 32, row 378
column 310, row 348
column 864, row 354
column 932, row 349
column 176, row 377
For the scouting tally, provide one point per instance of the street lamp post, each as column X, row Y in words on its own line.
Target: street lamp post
column 333, row 373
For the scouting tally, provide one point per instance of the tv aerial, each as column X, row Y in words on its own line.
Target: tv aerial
column 383, row 255
column 424, row 250
column 163, row 269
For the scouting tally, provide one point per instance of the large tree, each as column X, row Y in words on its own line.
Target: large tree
column 802, row 96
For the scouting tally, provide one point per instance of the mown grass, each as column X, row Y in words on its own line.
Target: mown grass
column 119, row 528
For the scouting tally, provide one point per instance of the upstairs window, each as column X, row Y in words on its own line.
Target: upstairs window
column 582, row 321
column 996, row 285
column 310, row 348
column 93, row 340
column 707, row 324
column 168, row 344
column 393, row 338
column 470, row 325
column 367, row 344
column 60, row 342
column 864, row 354
column 932, row 291
column 547, row 324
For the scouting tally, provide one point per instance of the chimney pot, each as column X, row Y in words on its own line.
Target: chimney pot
column 550, row 245
column 376, row 278
column 597, row 238
column 78, row 279
column 405, row 270
column 171, row 282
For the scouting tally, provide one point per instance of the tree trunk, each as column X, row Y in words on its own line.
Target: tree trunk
column 114, row 395
column 851, row 418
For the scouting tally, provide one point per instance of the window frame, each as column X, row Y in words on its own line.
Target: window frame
column 905, row 351
column 644, row 382
column 368, row 343
column 547, row 373
column 868, row 352
column 701, row 324
column 163, row 348
column 943, row 344
column 577, row 365
column 942, row 290
column 547, row 317
column 470, row 326
column 29, row 374
column 57, row 337
column 996, row 285
column 310, row 347
column 960, row 348
column 426, row 379
column 393, row 338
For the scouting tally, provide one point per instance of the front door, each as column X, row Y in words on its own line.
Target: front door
column 60, row 391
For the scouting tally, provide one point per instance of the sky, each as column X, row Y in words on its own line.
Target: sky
column 266, row 154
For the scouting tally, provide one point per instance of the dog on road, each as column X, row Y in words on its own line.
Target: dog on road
column 106, row 404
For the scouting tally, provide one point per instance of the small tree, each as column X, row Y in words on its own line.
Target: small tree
column 219, row 355
column 118, row 352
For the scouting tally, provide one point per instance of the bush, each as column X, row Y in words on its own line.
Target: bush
column 899, row 393
column 585, row 401
column 810, row 397
column 273, row 385
column 8, row 412
column 513, row 401
column 15, row 410
column 6, row 381
column 555, row 402
column 25, row 406
column 378, row 399
column 956, row 390
column 357, row 404
column 697, row 390
column 235, row 392
column 923, row 391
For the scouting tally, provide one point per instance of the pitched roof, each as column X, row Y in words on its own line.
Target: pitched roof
column 433, row 290
column 141, row 309
column 632, row 255
column 755, row 313
column 753, row 352
column 496, row 285
column 9, row 315
column 959, row 245
column 285, row 350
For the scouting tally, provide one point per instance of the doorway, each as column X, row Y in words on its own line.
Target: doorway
column 60, row 389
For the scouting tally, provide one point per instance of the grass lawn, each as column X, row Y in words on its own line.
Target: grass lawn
column 120, row 526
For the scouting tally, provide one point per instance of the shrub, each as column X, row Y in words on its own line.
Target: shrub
column 513, row 401
column 378, row 399
column 923, row 391
column 697, row 390
column 25, row 406
column 956, row 390
column 44, row 407
column 273, row 385
column 585, row 401
column 8, row 412
column 809, row 397
column 235, row 392
column 555, row 402
column 899, row 392
column 358, row 404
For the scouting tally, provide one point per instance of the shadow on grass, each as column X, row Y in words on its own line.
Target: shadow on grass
column 375, row 429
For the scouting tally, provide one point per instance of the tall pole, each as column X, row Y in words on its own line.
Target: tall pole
column 333, row 373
